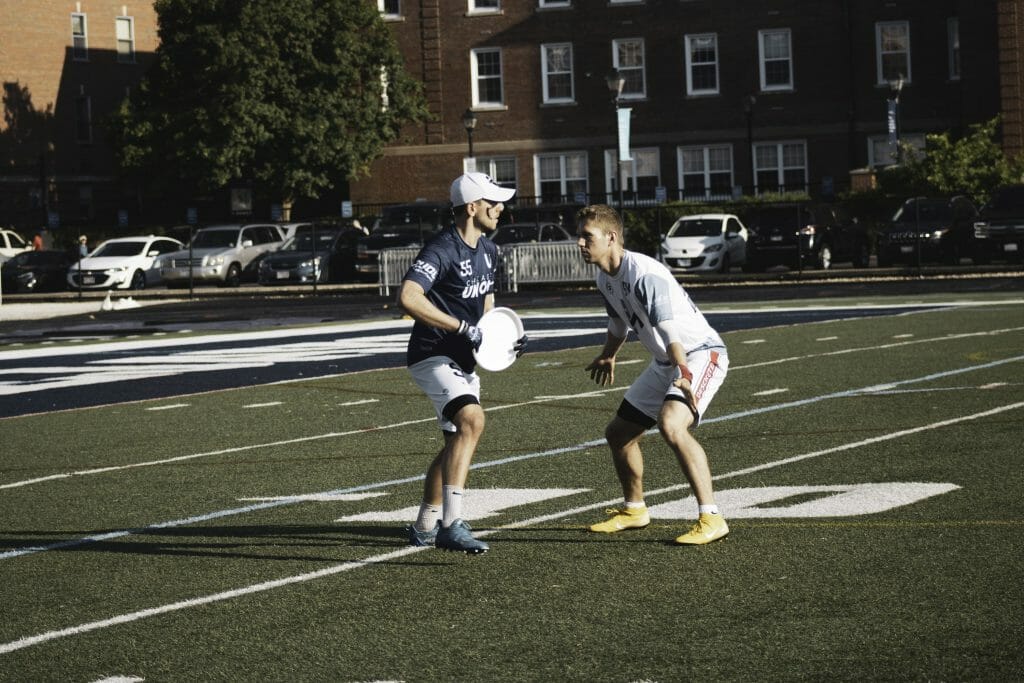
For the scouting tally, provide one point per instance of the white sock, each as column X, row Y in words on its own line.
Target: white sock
column 452, row 505
column 708, row 509
column 428, row 516
column 633, row 504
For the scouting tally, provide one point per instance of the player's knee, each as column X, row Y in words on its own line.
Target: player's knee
column 470, row 420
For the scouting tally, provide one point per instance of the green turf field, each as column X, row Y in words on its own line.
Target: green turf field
column 870, row 471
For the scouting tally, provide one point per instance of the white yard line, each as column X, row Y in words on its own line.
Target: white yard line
column 373, row 560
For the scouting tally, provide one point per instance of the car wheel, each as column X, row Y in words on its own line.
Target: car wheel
column 138, row 280
column 234, row 276
column 825, row 257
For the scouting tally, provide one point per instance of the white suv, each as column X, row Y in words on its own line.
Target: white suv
column 220, row 254
column 122, row 263
column 11, row 244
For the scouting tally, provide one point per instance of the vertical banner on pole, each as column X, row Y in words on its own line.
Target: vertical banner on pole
column 891, row 122
column 624, row 114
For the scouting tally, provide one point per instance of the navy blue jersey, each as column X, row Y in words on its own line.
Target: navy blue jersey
column 456, row 279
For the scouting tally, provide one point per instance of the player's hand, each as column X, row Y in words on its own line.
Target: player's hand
column 602, row 370
column 520, row 347
column 472, row 333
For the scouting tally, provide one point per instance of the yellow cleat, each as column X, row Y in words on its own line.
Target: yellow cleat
column 708, row 528
column 630, row 518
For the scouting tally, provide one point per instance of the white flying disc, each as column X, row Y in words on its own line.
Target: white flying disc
column 501, row 328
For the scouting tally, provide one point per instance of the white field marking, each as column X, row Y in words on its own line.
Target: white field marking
column 477, row 504
column 769, row 392
column 361, row 402
column 120, row 679
column 753, row 341
column 268, row 404
column 169, row 407
column 319, row 497
column 129, row 617
column 71, row 543
column 549, row 364
column 633, row 361
column 821, row 339
column 902, row 336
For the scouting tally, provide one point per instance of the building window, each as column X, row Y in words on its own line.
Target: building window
column 501, row 169
column 83, row 119
column 628, row 58
column 488, row 6
column 544, row 4
column 953, row 36
column 125, row 29
column 702, row 64
column 705, row 172
column 556, row 63
column 643, row 175
column 560, row 177
column 776, row 59
column 881, row 153
column 390, row 8
column 79, row 38
column 892, row 48
column 780, row 166
column 486, row 69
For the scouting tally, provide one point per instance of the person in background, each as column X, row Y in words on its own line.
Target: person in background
column 689, row 363
column 83, row 246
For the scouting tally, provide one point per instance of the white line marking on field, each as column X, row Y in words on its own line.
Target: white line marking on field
column 169, row 407
column 359, row 403
column 477, row 504
column 754, row 341
column 769, row 392
column 821, row 339
column 409, row 550
column 120, row 679
column 264, row 405
column 902, row 336
column 318, row 497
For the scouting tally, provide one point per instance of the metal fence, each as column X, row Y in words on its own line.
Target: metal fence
column 541, row 263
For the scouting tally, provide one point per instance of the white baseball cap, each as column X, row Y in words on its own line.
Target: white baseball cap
column 469, row 187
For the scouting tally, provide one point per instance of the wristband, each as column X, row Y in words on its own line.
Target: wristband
column 687, row 375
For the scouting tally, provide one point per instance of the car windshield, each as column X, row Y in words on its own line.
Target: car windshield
column 397, row 215
column 507, row 234
column 696, row 227
column 206, row 239
column 406, row 230
column 120, row 249
column 1007, row 198
column 303, row 240
column 924, row 210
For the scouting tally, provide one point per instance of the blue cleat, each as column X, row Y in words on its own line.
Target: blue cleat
column 457, row 537
column 423, row 538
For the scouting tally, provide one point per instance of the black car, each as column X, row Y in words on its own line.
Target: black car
column 1000, row 226
column 400, row 225
column 519, row 233
column 802, row 235
column 929, row 230
column 321, row 251
column 36, row 271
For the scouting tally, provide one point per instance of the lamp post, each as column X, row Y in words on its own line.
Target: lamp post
column 469, row 123
column 895, row 88
column 615, row 81
column 748, row 108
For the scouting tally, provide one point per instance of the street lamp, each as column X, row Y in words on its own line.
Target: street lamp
column 615, row 81
column 469, row 123
column 748, row 108
column 895, row 88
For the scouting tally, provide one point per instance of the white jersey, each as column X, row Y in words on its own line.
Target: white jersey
column 644, row 294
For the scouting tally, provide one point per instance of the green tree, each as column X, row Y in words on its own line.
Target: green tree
column 294, row 95
column 973, row 165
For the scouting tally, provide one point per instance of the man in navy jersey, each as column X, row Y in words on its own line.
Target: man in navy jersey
column 688, row 365
column 446, row 291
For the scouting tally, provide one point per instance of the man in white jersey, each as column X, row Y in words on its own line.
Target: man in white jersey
column 688, row 366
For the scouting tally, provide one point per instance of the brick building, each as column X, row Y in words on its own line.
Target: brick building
column 725, row 96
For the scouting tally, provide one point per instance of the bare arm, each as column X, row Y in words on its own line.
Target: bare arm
column 602, row 368
column 414, row 301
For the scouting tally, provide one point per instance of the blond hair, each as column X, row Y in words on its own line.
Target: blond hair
column 601, row 215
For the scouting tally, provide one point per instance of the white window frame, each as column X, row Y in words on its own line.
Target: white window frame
column 382, row 7
column 80, row 43
column 129, row 57
column 631, row 72
column 881, row 52
column 706, row 170
column 953, row 47
column 476, row 77
column 484, row 7
column 547, row 73
column 550, row 4
column 781, row 167
column 496, row 167
column 563, row 178
column 764, row 59
column 691, row 89
column 634, row 170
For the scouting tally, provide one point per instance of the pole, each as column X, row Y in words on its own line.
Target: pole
column 618, row 161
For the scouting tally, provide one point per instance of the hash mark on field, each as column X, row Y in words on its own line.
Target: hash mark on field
column 263, row 405
column 769, row 392
column 328, row 497
column 356, row 403
column 754, row 341
column 902, row 336
column 826, row 339
column 170, row 407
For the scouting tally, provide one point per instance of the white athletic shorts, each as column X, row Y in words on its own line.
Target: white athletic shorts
column 447, row 386
column 655, row 385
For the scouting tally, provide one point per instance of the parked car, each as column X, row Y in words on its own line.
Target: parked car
column 122, row 263
column 560, row 214
column 802, row 235
column 704, row 243
column 221, row 254
column 1000, row 227
column 513, row 233
column 36, row 271
column 11, row 243
column 323, row 251
column 929, row 230
column 401, row 225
